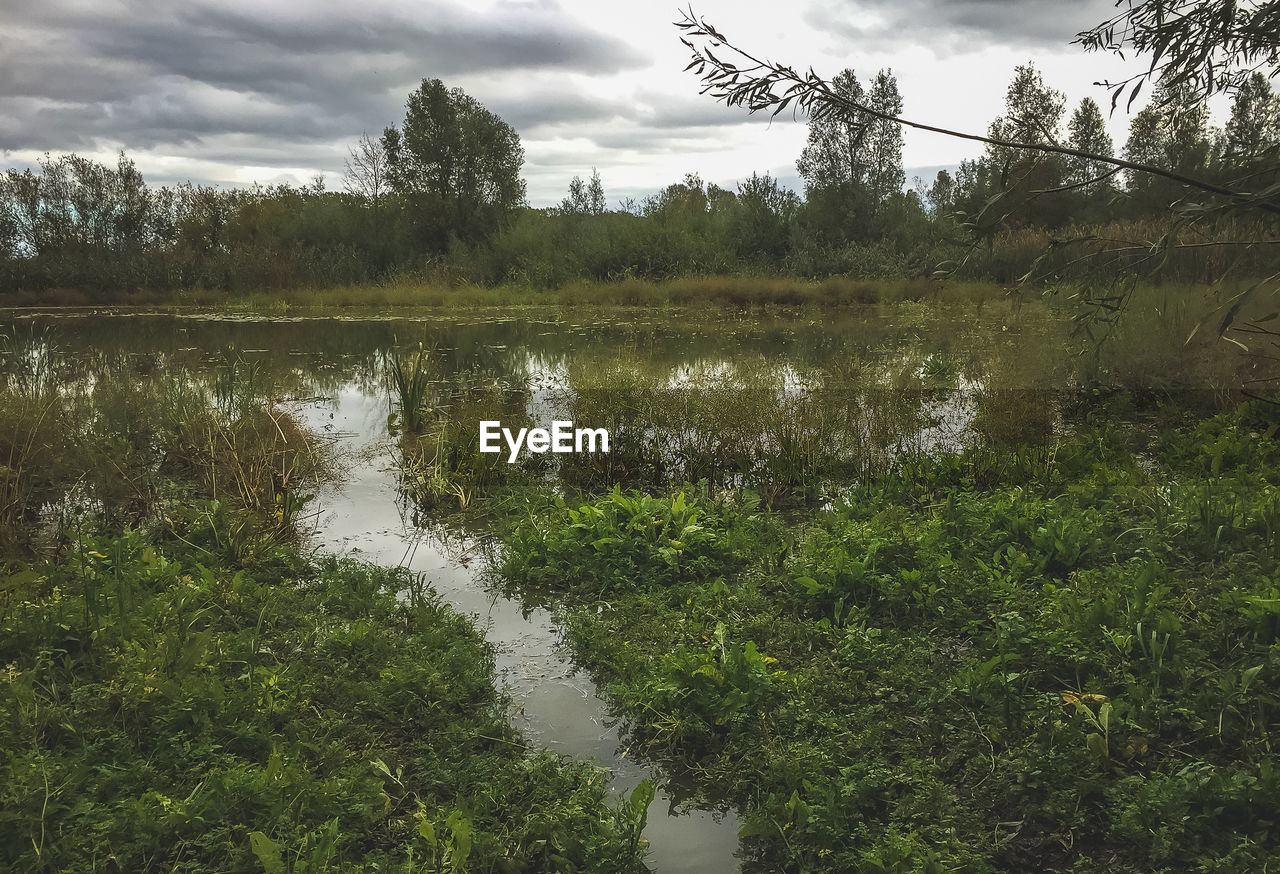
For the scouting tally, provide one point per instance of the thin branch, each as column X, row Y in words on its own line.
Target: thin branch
column 1075, row 185
column 756, row 94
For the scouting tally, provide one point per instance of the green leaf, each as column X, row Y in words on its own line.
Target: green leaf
column 461, row 830
column 1248, row 676
column 267, row 851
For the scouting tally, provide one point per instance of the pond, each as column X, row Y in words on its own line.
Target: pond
column 790, row 406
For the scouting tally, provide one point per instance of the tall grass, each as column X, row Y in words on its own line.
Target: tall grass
column 410, row 378
column 109, row 442
column 746, row 290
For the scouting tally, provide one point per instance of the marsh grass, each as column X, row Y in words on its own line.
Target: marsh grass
column 178, row 674
column 878, row 679
column 715, row 291
column 441, row 466
column 111, row 442
column 793, row 435
column 409, row 377
column 195, row 699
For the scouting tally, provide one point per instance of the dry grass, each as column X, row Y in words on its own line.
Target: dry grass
column 727, row 291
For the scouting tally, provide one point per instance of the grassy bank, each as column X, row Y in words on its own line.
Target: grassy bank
column 161, row 709
column 688, row 291
column 1060, row 658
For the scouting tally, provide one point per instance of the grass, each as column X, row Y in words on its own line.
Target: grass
column 1043, row 636
column 1061, row 660
column 110, row 442
column 164, row 709
column 183, row 688
column 733, row 291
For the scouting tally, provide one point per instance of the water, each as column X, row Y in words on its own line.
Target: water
column 330, row 370
column 553, row 704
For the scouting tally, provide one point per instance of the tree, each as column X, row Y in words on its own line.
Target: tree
column 1171, row 131
column 366, row 176
column 456, row 163
column 595, row 193
column 852, row 166
column 761, row 220
column 836, row 152
column 1032, row 114
column 1088, row 134
column 885, row 176
column 1091, row 183
column 1254, row 126
column 1033, row 110
column 941, row 196
column 1210, row 46
column 585, row 198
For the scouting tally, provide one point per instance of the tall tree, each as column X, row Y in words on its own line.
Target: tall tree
column 885, row 175
column 761, row 220
column 852, row 165
column 366, row 171
column 1088, row 133
column 1033, row 113
column 1254, row 126
column 1092, row 183
column 584, row 198
column 941, row 196
column 456, row 163
column 595, row 193
column 1171, row 131
column 836, row 151
column 1032, row 110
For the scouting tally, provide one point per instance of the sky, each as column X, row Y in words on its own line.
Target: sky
column 232, row 92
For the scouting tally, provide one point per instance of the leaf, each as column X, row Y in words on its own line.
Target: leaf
column 461, row 830
column 267, row 851
column 1134, row 94
column 1248, row 676
column 427, row 830
column 1239, row 301
column 810, row 585
column 637, row 804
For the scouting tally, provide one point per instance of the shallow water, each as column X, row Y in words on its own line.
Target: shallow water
column 554, row 705
column 329, row 369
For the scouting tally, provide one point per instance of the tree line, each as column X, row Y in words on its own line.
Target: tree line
column 440, row 197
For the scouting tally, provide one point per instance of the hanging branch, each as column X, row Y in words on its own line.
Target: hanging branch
column 1209, row 45
column 765, row 86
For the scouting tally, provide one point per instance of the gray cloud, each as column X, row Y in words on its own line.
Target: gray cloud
column 953, row 25
column 147, row 74
column 212, row 87
column 534, row 110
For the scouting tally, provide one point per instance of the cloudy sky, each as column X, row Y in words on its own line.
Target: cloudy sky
column 241, row 91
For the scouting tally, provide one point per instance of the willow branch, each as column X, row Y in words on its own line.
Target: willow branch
column 756, row 94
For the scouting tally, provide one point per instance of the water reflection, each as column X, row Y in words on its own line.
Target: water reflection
column 787, row 406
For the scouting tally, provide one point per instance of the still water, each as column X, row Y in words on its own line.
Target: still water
column 330, row 371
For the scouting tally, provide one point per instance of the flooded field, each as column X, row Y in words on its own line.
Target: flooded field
column 799, row 440
column 333, row 372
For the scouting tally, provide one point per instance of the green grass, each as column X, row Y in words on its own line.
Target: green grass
column 160, row 708
column 1050, row 645
column 183, row 689
column 1064, row 660
column 733, row 291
